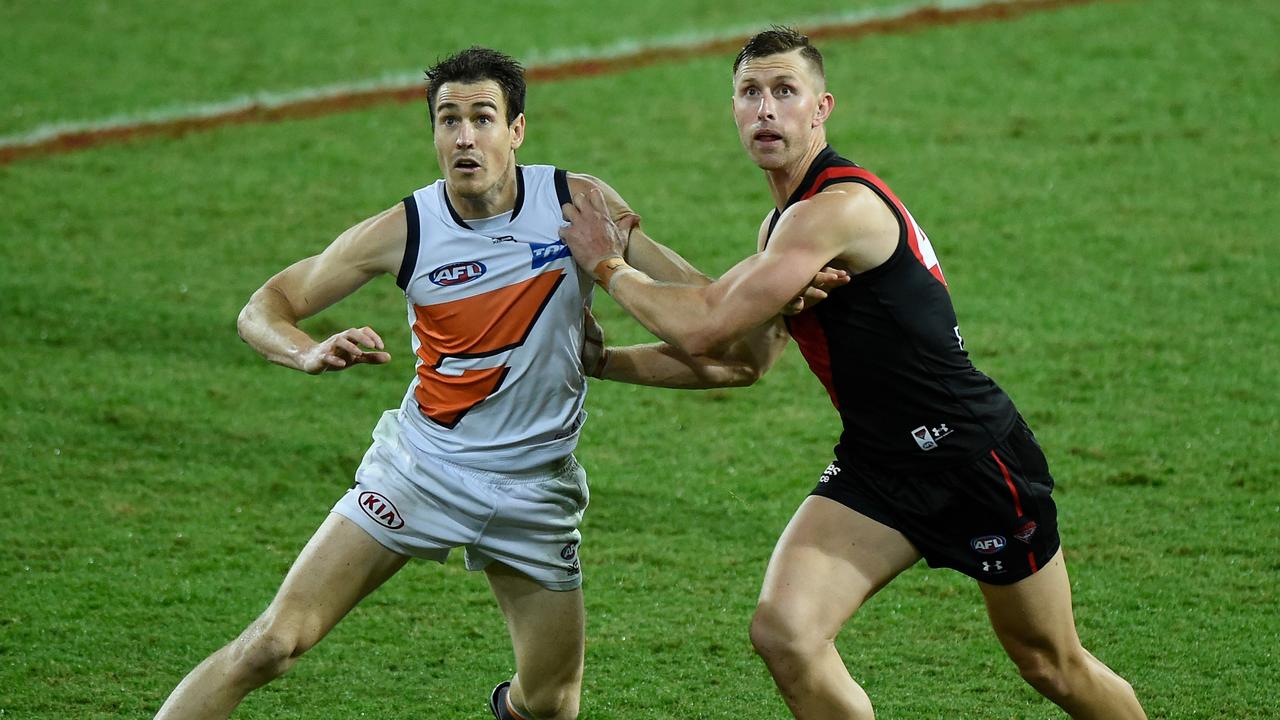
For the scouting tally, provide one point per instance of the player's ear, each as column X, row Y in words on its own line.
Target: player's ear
column 826, row 104
column 517, row 132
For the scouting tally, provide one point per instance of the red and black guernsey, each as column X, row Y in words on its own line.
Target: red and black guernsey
column 888, row 348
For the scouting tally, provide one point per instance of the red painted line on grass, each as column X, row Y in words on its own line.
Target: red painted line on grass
column 926, row 17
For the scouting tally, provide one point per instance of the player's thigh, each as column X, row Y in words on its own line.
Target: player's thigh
column 1033, row 616
column 828, row 561
column 339, row 566
column 546, row 627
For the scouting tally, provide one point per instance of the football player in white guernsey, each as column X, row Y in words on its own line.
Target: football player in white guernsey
column 479, row 454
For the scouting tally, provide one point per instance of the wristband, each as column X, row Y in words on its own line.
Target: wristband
column 606, row 268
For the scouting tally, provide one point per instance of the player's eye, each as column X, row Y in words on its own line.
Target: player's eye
column 784, row 91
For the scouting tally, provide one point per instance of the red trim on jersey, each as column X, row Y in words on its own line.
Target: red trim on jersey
column 812, row 340
column 913, row 240
column 1031, row 558
column 1017, row 503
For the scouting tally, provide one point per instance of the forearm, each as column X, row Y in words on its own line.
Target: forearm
column 679, row 314
column 661, row 262
column 661, row 365
column 269, row 325
column 760, row 348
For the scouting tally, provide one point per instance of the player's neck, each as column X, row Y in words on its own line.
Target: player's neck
column 784, row 180
column 500, row 198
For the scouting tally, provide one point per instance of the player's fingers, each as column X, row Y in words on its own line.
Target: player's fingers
column 374, row 358
column 333, row 360
column 375, row 337
column 357, row 337
column 343, row 346
column 828, row 282
column 597, row 201
column 570, row 211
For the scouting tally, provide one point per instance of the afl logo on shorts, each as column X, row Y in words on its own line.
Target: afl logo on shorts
column 988, row 544
column 457, row 273
column 381, row 510
column 569, row 551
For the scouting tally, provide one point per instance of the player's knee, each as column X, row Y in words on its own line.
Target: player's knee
column 1052, row 674
column 778, row 637
column 268, row 648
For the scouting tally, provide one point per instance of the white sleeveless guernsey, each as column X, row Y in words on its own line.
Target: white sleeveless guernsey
column 496, row 319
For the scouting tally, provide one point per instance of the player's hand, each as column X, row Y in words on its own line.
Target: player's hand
column 594, row 353
column 592, row 235
column 826, row 279
column 342, row 350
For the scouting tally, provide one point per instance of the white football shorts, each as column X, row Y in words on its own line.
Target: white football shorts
column 424, row 506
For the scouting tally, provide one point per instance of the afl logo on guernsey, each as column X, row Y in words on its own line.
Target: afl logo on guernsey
column 457, row 273
column 378, row 507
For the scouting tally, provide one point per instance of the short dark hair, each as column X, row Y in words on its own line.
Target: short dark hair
column 474, row 65
column 779, row 39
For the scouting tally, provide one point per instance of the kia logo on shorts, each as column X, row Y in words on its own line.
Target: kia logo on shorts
column 457, row 273
column 988, row 544
column 381, row 510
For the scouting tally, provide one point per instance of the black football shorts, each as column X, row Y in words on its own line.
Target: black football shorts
column 993, row 519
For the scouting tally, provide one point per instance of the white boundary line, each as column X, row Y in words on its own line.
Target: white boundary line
column 534, row 62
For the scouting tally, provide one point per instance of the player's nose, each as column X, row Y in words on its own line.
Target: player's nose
column 765, row 110
column 466, row 136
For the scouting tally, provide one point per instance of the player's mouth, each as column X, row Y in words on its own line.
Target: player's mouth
column 768, row 138
column 466, row 165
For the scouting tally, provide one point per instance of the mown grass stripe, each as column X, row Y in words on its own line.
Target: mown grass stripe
column 265, row 107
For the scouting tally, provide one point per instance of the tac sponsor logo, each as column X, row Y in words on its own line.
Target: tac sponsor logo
column 1026, row 531
column 383, row 512
column 988, row 544
column 457, row 273
column 544, row 253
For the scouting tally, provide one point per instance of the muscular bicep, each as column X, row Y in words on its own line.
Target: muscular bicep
column 363, row 252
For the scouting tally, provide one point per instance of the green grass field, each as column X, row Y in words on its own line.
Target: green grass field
column 1099, row 182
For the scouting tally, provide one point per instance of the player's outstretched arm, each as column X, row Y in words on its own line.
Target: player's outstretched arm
column 663, row 365
column 744, row 362
column 269, row 321
column 706, row 320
